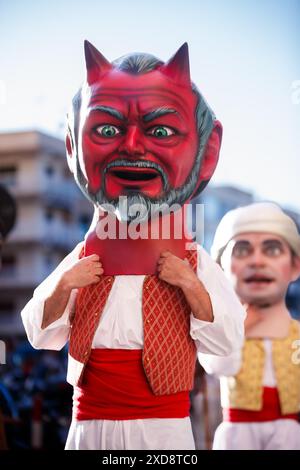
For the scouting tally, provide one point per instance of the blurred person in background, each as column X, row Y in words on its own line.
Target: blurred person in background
column 258, row 246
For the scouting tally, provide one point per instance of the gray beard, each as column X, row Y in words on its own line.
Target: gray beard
column 138, row 207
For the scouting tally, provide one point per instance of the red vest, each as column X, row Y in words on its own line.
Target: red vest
column 169, row 352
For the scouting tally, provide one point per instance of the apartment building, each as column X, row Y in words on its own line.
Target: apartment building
column 52, row 217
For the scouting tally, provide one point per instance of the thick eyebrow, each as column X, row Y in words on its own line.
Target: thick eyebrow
column 108, row 110
column 272, row 241
column 158, row 113
column 242, row 242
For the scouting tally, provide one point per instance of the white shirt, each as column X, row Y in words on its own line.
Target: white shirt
column 121, row 327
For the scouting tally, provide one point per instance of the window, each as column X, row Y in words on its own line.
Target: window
column 8, row 265
column 7, row 307
column 66, row 216
column 49, row 214
column 8, row 175
column 48, row 260
column 49, row 170
column 84, row 223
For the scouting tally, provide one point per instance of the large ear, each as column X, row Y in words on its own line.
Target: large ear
column 178, row 67
column 210, row 157
column 295, row 268
column 70, row 150
column 96, row 64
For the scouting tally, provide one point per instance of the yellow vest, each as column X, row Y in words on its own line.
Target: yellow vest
column 245, row 389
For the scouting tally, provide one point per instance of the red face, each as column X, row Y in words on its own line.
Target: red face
column 137, row 134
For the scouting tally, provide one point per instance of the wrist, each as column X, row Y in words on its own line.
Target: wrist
column 65, row 284
column 188, row 284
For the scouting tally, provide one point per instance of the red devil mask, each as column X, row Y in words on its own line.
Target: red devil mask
column 141, row 129
column 140, row 136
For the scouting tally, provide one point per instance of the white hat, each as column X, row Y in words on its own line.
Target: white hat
column 259, row 217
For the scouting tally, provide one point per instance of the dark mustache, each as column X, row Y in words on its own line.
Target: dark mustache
column 139, row 164
column 258, row 274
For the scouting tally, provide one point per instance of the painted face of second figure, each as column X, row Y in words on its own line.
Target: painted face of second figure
column 260, row 267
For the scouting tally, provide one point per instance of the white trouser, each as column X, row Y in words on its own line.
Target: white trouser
column 171, row 434
column 281, row 434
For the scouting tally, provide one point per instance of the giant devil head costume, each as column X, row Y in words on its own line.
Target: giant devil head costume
column 140, row 136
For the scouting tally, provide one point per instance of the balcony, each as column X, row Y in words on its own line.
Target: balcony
column 63, row 195
column 19, row 281
column 59, row 236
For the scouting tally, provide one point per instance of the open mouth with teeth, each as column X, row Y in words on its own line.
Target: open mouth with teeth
column 258, row 280
column 124, row 180
column 143, row 174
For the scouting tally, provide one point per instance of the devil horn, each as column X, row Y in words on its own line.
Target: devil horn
column 96, row 64
column 178, row 67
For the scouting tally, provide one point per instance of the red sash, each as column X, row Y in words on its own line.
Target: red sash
column 115, row 387
column 270, row 410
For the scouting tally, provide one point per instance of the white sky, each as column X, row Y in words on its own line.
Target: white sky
column 244, row 58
